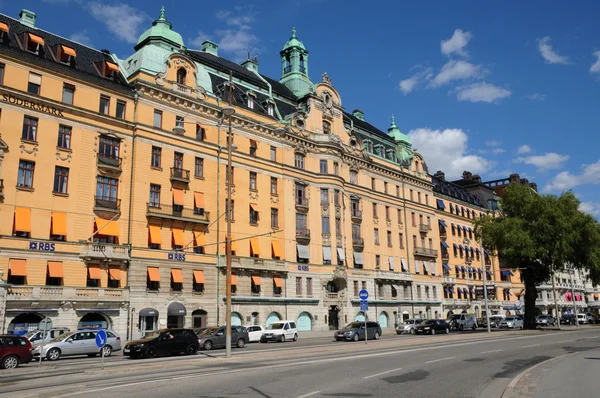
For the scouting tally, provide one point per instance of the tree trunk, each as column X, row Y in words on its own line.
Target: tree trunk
column 530, row 297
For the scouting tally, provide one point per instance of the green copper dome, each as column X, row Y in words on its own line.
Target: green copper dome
column 396, row 134
column 161, row 30
column 293, row 41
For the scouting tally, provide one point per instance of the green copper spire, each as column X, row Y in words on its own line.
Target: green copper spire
column 162, row 14
column 161, row 31
column 396, row 134
column 294, row 66
column 294, row 42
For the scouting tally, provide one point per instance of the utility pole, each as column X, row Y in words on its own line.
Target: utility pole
column 485, row 296
column 571, row 272
column 228, row 240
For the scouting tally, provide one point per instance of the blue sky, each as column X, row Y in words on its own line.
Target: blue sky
column 490, row 88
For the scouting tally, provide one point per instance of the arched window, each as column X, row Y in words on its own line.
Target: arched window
column 288, row 65
column 302, row 68
column 326, row 127
column 181, row 75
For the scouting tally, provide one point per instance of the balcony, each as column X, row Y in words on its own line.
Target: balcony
column 393, row 276
column 334, row 297
column 424, row 228
column 256, row 264
column 303, row 235
column 104, row 251
column 443, row 234
column 424, row 252
column 358, row 243
column 60, row 293
column 448, row 280
column 178, row 213
column 1, row 187
column 107, row 203
column 302, row 204
column 183, row 89
column 468, row 260
column 356, row 216
column 445, row 255
column 453, row 301
column 109, row 163
column 180, row 175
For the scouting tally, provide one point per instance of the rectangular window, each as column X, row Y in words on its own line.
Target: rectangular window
column 419, row 197
column 232, row 175
column 299, row 161
column 336, row 198
column 2, row 74
column 325, row 224
column 414, row 241
column 106, row 188
column 309, row 290
column 253, row 216
column 199, row 167
column 68, row 93
column 387, row 213
column 373, row 184
column 200, row 133
column 377, row 261
column 104, row 104
column 35, row 82
column 270, row 109
column 273, row 154
column 30, row 126
column 156, row 157
column 253, row 148
column 154, row 195
column 109, row 147
column 324, row 196
column 397, row 191
column 427, row 201
column 355, row 283
column 61, row 178
column 364, row 285
column 120, row 110
column 336, row 168
column 250, row 102
column 374, row 210
column 231, row 211
column 399, row 216
column 273, row 186
column 25, row 176
column 413, row 219
column 385, row 187
column 376, row 236
column 401, row 240
column 355, row 231
column 338, row 226
column 389, row 238
column 178, row 161
column 301, row 224
column 274, row 218
column 298, row 286
column 353, row 177
column 64, row 137
column 158, row 118
column 253, row 181
column 323, row 166
column 412, row 195
column 179, row 122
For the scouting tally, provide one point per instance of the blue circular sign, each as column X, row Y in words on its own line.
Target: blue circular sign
column 363, row 294
column 101, row 338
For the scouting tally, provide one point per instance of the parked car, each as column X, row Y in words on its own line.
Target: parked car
column 355, row 331
column 482, row 322
column 37, row 336
column 567, row 319
column 199, row 331
column 464, row 321
column 14, row 350
column 214, row 337
column 512, row 322
column 81, row 342
column 280, row 331
column 495, row 321
column 545, row 320
column 408, row 326
column 433, row 326
column 255, row 332
column 163, row 342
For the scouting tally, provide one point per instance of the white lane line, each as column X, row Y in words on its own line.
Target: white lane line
column 487, row 352
column 439, row 360
column 565, row 341
column 382, row 373
column 529, row 346
column 310, row 394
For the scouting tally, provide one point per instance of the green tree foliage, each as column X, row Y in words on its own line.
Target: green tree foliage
column 540, row 235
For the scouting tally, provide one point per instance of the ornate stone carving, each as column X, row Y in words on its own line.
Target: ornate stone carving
column 66, row 158
column 326, row 239
column 326, row 78
column 159, row 78
column 274, row 199
column 66, row 306
column 253, row 195
column 29, row 151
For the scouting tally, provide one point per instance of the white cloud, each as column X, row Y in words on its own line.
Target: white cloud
column 590, row 175
column 122, row 20
column 481, row 92
column 408, row 85
column 457, row 43
column 551, row 56
column 457, row 70
column 595, row 68
column 592, row 208
column 497, row 151
column 81, row 37
column 446, row 150
column 537, row 97
column 493, row 143
column 201, row 37
column 547, row 161
column 524, row 149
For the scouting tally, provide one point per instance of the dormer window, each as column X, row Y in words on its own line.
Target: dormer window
column 302, row 67
column 108, row 69
column 3, row 31
column 34, row 42
column 250, row 102
column 200, row 133
column 181, row 75
column 326, row 127
column 288, row 65
column 66, row 54
column 270, row 109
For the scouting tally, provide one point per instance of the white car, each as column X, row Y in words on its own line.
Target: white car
column 582, row 319
column 280, row 331
column 512, row 322
column 255, row 332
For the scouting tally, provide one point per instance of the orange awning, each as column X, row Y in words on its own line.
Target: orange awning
column 107, row 227
column 233, row 279
column 276, row 249
column 22, row 219
column 278, row 281
column 198, row 276
column 199, row 200
column 114, row 273
column 178, row 197
column 178, row 236
column 3, row 27
column 255, row 246
column 59, row 223
column 69, row 51
column 199, row 238
column 55, row 269
column 255, row 207
column 36, row 39
column 256, row 279
column 112, row 66
column 176, row 275
column 155, row 234
column 153, row 274
column 233, row 243
column 17, row 267
column 94, row 271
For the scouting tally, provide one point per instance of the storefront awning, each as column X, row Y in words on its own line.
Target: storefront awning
column 445, row 245
column 3, row 27
column 255, row 207
column 178, row 236
column 278, row 281
column 326, row 253
column 446, row 266
column 463, row 269
column 153, row 274
column 154, row 231
column 404, row 266
column 114, row 273
column 176, row 275
column 36, row 39
column 199, row 238
column 234, row 279
column 276, row 249
column 256, row 280
column 59, row 223
column 68, row 50
column 94, row 271
column 22, row 219
column 489, row 273
column 303, row 252
column 55, row 269
column 391, row 262
column 425, row 266
column 341, row 255
column 358, row 258
column 255, row 247
column 148, row 312
column 440, row 204
column 199, row 200
column 198, row 276
column 178, row 197
column 107, row 227
column 176, row 309
column 17, row 267
column 443, row 224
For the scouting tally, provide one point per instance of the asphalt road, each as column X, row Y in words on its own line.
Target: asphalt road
column 459, row 365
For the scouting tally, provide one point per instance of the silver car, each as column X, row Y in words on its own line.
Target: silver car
column 37, row 336
column 81, row 342
column 408, row 326
column 512, row 322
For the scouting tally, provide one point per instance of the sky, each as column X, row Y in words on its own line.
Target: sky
column 490, row 87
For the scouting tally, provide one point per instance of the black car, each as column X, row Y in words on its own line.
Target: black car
column 568, row 319
column 433, row 326
column 356, row 331
column 163, row 342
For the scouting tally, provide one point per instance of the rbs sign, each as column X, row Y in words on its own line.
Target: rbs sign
column 42, row 246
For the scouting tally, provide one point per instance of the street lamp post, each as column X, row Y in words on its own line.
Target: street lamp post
column 571, row 272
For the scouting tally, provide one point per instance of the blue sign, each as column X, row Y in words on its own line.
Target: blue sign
column 42, row 246
column 364, row 305
column 303, row 268
column 101, row 338
column 177, row 256
column 363, row 294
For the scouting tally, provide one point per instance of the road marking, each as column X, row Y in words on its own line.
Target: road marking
column 439, row 360
column 487, row 352
column 382, row 373
column 310, row 394
column 529, row 346
column 565, row 341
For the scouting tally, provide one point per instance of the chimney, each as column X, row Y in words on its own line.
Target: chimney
column 514, row 178
column 440, row 175
column 357, row 113
column 533, row 186
column 477, row 178
column 27, row 18
column 251, row 64
column 210, row 47
column 467, row 175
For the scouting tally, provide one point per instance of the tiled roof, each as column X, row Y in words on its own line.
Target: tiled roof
column 367, row 126
column 83, row 68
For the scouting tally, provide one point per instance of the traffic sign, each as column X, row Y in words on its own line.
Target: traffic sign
column 101, row 338
column 364, row 305
column 363, row 294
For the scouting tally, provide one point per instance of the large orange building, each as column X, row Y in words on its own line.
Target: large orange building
column 122, row 223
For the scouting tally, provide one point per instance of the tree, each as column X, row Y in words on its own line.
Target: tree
column 541, row 235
